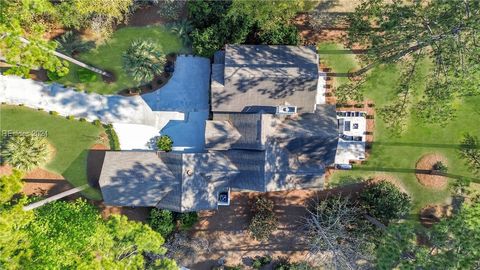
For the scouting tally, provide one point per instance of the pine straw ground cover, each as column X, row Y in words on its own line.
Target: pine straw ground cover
column 431, row 180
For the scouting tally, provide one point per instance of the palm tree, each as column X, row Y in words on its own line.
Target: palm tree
column 69, row 43
column 26, row 152
column 143, row 60
column 68, row 58
column 183, row 29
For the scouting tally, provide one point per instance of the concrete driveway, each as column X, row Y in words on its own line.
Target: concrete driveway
column 185, row 93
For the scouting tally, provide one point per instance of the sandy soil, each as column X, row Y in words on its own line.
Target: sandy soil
column 424, row 174
column 222, row 235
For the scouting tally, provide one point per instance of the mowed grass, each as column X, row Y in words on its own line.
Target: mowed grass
column 397, row 156
column 108, row 56
column 70, row 138
column 340, row 62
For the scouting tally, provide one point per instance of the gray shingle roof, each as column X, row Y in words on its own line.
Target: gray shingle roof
column 174, row 181
column 139, row 178
column 262, row 75
column 237, row 131
column 296, row 155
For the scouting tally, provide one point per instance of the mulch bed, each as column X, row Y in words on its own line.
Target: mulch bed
column 312, row 36
column 424, row 171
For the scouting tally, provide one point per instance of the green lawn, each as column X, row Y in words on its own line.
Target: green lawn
column 108, row 56
column 70, row 138
column 398, row 155
column 338, row 62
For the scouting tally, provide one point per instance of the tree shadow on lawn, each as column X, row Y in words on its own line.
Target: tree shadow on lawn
column 76, row 174
column 415, row 171
column 413, row 144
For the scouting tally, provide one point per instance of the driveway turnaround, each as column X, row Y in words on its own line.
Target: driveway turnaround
column 186, row 92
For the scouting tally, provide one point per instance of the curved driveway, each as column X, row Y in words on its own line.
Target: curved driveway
column 179, row 107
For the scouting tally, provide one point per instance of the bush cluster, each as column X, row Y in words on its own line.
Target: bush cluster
column 84, row 75
column 187, row 220
column 53, row 76
column 97, row 123
column 165, row 221
column 259, row 262
column 113, row 137
column 440, row 167
column 162, row 221
column 264, row 221
column 165, row 143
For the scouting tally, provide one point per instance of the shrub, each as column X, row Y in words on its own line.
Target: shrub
column 39, row 109
column 20, row 105
column 162, row 221
column 258, row 262
column 69, row 43
column 54, row 113
column 170, row 9
column 97, row 123
column 165, row 143
column 81, row 119
column 440, row 167
column 264, row 221
column 143, row 60
column 25, row 152
column 84, row 75
column 384, row 201
column 112, row 137
column 53, row 76
column 282, row 34
column 10, row 185
column 70, row 117
column 187, row 220
column 284, row 264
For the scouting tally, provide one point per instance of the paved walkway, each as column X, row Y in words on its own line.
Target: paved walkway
column 185, row 93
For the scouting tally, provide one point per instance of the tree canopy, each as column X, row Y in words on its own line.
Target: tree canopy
column 444, row 31
column 33, row 19
column 63, row 235
column 454, row 243
column 240, row 21
column 72, row 235
column 384, row 201
column 10, row 185
column 469, row 151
